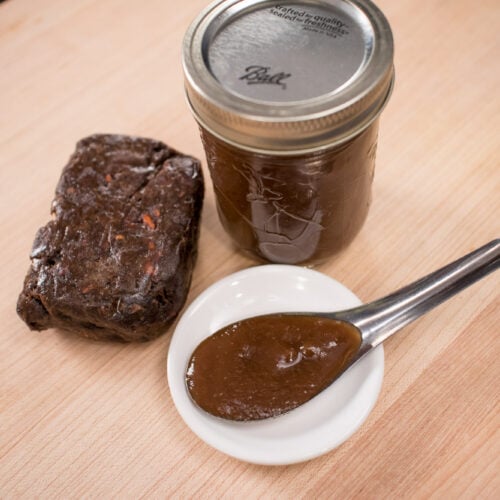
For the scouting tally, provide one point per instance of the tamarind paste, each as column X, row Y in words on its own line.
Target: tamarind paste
column 264, row 366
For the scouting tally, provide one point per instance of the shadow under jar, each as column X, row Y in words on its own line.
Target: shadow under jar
column 287, row 96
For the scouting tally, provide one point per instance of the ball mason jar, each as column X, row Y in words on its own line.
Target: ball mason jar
column 288, row 97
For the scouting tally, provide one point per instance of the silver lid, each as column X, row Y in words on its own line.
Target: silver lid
column 279, row 76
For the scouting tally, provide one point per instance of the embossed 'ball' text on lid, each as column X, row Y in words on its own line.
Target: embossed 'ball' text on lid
column 288, row 76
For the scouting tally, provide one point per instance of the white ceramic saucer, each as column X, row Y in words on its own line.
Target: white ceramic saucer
column 306, row 432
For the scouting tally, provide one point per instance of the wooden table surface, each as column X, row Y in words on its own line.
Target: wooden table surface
column 81, row 418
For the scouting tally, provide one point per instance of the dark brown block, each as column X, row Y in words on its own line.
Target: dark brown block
column 116, row 260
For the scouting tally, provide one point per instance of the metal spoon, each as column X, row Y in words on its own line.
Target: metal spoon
column 244, row 371
column 380, row 319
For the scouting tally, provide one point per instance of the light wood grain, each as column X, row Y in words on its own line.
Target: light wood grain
column 90, row 419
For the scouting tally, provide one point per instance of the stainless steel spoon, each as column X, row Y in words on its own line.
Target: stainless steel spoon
column 242, row 372
column 380, row 319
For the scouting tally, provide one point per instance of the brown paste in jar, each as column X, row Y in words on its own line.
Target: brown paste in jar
column 264, row 366
column 293, row 209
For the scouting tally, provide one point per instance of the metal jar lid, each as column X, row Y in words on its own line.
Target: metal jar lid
column 284, row 77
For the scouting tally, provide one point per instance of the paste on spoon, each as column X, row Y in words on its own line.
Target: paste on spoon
column 267, row 365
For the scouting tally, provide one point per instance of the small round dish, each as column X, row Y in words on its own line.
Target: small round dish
column 306, row 432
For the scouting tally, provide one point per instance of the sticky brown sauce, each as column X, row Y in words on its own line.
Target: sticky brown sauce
column 265, row 366
column 293, row 209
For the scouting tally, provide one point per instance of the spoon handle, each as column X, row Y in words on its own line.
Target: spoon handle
column 382, row 318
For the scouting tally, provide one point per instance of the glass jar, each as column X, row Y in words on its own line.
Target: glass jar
column 287, row 96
